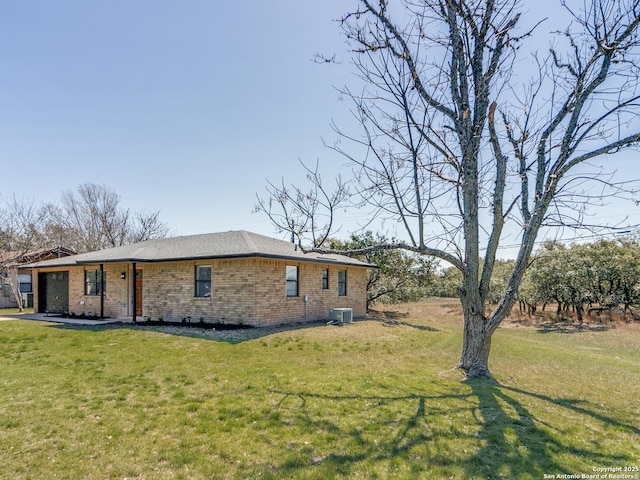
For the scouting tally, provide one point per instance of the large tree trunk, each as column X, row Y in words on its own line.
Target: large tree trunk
column 476, row 345
column 478, row 330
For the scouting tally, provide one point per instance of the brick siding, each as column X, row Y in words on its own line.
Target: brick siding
column 251, row 291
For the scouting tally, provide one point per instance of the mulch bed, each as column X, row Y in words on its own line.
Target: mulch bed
column 201, row 325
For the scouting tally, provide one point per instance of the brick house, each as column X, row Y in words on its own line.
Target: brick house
column 230, row 277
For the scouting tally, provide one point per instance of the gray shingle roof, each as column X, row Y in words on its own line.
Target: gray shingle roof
column 233, row 244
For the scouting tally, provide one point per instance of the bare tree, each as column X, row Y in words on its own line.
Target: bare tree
column 19, row 234
column 91, row 218
column 306, row 213
column 462, row 150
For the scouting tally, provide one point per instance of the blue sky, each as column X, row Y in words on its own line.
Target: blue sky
column 183, row 107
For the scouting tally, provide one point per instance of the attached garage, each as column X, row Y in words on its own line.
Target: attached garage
column 53, row 292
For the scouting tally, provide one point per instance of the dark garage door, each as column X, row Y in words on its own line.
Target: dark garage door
column 53, row 292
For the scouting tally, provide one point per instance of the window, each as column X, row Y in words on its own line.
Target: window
column 203, row 281
column 325, row 279
column 93, row 282
column 342, row 283
column 26, row 285
column 292, row 281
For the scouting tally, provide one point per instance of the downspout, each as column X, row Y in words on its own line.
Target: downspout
column 102, row 290
column 133, row 290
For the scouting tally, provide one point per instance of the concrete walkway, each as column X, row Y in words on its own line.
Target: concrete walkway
column 43, row 317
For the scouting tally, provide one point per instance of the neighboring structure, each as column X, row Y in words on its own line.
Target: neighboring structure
column 231, row 277
column 16, row 280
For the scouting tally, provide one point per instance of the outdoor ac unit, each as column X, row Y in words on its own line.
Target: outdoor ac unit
column 341, row 315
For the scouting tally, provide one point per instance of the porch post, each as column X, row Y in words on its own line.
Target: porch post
column 102, row 290
column 133, row 289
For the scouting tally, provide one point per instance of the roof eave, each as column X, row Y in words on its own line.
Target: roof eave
column 95, row 261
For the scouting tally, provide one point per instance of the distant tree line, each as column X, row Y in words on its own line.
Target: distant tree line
column 579, row 278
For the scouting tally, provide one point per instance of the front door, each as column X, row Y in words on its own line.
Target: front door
column 138, row 293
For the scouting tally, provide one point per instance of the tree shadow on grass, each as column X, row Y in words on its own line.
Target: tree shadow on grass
column 516, row 443
column 389, row 438
column 489, row 432
column 226, row 335
column 392, row 318
column 393, row 323
column 567, row 327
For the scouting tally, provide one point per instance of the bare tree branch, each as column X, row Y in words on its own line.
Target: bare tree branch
column 454, row 139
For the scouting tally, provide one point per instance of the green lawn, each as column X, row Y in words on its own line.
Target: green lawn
column 363, row 401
